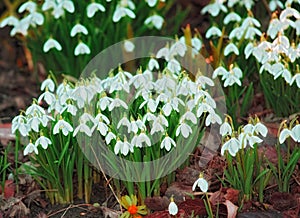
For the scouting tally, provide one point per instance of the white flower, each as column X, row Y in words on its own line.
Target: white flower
column 231, row 47
column 124, row 147
column 233, row 76
column 9, row 21
column 81, row 49
column 43, row 141
column 232, row 145
column 21, row 27
column 78, row 28
column 34, row 109
column 258, row 128
column 122, row 12
column 188, row 115
column 48, row 97
column 245, row 138
column 82, row 127
column 225, row 129
column 296, row 78
column 295, row 133
column 154, row 20
column 214, row 8
column 167, row 143
column 128, row 46
column 151, row 3
column 153, row 64
column 232, row 16
column 27, row 6
column 201, row 183
column 93, row 8
column 110, row 136
column 104, row 102
column 212, row 118
column 63, row 126
column 173, row 209
column 59, row 7
column 184, row 129
column 273, row 4
column 140, row 139
column 30, row 148
column 124, row 122
column 151, row 103
column 51, row 43
column 248, row 50
column 213, row 31
column 116, row 102
column 19, row 123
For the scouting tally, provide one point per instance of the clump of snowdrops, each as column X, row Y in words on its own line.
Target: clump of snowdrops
column 70, row 33
column 241, row 48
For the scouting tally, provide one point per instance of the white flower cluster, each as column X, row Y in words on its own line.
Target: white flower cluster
column 217, row 6
column 280, row 54
column 248, row 135
column 169, row 94
column 35, row 16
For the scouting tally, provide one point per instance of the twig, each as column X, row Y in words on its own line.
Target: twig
column 65, row 210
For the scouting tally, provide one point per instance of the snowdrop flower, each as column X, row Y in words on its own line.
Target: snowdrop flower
column 124, row 122
column 295, row 133
column 139, row 80
column 151, row 3
column 78, row 28
column 153, row 64
column 183, row 129
column 225, row 129
column 19, row 123
column 249, row 50
column 232, row 16
column 93, row 8
column 82, row 127
column 148, row 117
column 173, row 209
column 81, row 49
column 273, row 4
column 104, row 102
column 48, row 97
column 43, row 141
column 122, row 11
column 48, row 84
column 34, row 108
column 213, row 31
column 116, row 102
column 158, row 124
column 58, row 7
column 188, row 115
column 27, row 6
column 51, row 43
column 140, row 139
column 9, row 21
column 167, row 143
column 231, row 77
column 34, row 19
column 214, row 8
column 151, row 103
column 63, row 126
column 231, row 47
column 154, row 21
column 135, row 125
column 258, row 128
column 124, row 147
column 296, row 78
column 245, row 138
column 72, row 109
column 232, row 145
column 212, row 118
column 30, row 148
column 289, row 12
column 109, row 136
column 101, row 127
column 201, row 183
column 128, row 46
column 34, row 121
column 202, row 81
column 21, row 27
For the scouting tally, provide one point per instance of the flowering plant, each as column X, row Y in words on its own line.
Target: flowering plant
column 72, row 32
column 130, row 204
column 118, row 120
column 244, row 171
column 240, row 49
column 287, row 163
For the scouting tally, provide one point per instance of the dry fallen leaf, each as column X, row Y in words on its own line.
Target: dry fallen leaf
column 157, row 203
column 231, row 209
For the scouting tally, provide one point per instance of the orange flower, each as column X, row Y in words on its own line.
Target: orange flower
column 133, row 211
